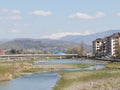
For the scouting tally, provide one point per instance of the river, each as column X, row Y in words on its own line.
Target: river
column 45, row 80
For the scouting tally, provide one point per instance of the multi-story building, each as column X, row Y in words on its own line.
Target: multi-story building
column 107, row 46
column 112, row 43
column 99, row 47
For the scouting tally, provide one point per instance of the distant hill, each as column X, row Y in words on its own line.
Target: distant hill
column 88, row 38
column 3, row 40
column 53, row 45
column 40, row 44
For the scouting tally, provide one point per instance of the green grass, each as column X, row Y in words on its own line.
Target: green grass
column 5, row 73
column 11, row 69
column 115, row 65
column 67, row 79
column 5, row 69
column 17, row 67
column 33, row 70
column 80, row 65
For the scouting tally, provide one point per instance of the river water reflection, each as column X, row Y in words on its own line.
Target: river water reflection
column 46, row 80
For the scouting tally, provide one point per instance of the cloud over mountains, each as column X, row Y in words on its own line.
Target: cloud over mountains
column 63, row 34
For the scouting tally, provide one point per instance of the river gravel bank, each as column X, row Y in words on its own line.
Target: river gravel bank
column 16, row 69
column 106, row 79
column 103, row 84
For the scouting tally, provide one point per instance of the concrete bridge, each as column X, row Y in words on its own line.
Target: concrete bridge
column 35, row 56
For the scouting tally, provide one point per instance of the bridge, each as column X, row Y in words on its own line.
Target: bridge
column 36, row 56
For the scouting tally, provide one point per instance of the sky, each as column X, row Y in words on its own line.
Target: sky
column 57, row 18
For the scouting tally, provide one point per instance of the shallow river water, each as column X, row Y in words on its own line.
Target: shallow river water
column 45, row 80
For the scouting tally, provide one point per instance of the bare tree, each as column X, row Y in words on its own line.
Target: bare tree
column 83, row 50
column 73, row 50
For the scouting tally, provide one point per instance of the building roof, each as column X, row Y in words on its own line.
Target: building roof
column 115, row 35
column 99, row 40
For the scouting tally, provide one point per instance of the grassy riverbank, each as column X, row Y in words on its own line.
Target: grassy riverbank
column 12, row 69
column 5, row 72
column 44, row 68
column 107, row 79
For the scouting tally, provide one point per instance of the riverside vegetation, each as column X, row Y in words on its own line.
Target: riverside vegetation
column 107, row 79
column 13, row 68
column 10, row 68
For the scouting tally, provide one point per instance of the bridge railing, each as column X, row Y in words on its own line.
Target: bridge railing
column 20, row 56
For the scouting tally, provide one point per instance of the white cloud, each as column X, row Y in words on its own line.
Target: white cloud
column 20, row 25
column 100, row 15
column 79, row 15
column 15, row 31
column 15, row 17
column 15, row 12
column 7, row 11
column 118, row 14
column 11, row 14
column 42, row 13
column 63, row 34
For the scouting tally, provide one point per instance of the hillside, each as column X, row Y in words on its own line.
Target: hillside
column 40, row 44
column 88, row 38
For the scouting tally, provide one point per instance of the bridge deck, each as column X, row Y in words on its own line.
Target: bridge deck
column 23, row 55
column 34, row 56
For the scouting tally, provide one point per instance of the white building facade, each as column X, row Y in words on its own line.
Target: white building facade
column 107, row 46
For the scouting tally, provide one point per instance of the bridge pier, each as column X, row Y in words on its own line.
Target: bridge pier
column 8, row 58
column 21, row 58
column 47, row 58
column 60, row 57
column 34, row 58
column 73, row 57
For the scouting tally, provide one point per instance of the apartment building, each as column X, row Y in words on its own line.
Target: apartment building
column 106, row 46
column 112, row 43
column 99, row 47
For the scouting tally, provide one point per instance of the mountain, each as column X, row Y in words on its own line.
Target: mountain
column 3, row 40
column 88, row 38
column 53, row 45
column 39, row 44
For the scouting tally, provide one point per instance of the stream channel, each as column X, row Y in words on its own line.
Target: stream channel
column 46, row 80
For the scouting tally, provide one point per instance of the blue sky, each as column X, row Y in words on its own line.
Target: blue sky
column 56, row 18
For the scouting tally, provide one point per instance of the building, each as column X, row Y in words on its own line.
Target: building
column 112, row 43
column 99, row 47
column 2, row 52
column 106, row 46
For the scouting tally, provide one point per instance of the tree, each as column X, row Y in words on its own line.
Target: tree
column 117, row 52
column 13, row 51
column 83, row 50
column 74, row 50
column 98, row 54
